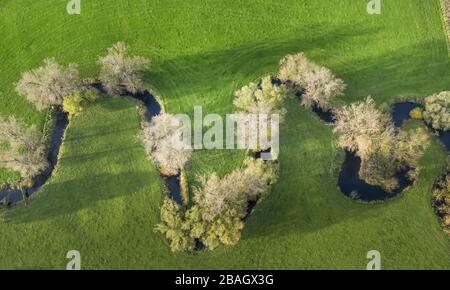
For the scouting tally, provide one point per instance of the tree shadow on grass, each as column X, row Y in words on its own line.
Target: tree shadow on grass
column 394, row 74
column 229, row 69
column 100, row 132
column 306, row 197
column 63, row 198
column 80, row 158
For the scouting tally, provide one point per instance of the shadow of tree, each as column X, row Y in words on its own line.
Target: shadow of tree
column 230, row 69
column 73, row 195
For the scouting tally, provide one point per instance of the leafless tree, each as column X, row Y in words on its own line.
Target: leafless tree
column 228, row 196
column 158, row 138
column 22, row 148
column 47, row 85
column 359, row 126
column 318, row 84
column 120, row 72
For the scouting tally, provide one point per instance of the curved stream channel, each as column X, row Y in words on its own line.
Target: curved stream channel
column 349, row 180
column 153, row 108
column 12, row 196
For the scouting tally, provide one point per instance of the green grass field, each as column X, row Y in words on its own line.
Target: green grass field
column 104, row 197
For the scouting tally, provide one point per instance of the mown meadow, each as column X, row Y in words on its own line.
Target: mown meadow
column 105, row 195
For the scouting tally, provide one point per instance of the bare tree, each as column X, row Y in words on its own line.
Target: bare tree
column 409, row 147
column 23, row 150
column 228, row 196
column 158, row 138
column 318, row 84
column 220, row 197
column 47, row 85
column 120, row 71
column 360, row 126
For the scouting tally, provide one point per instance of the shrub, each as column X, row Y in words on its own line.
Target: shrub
column 218, row 197
column 229, row 195
column 47, row 85
column 121, row 72
column 416, row 114
column 91, row 96
column 437, row 111
column 158, row 137
column 379, row 169
column 318, row 84
column 74, row 104
column 259, row 176
column 224, row 230
column 24, row 151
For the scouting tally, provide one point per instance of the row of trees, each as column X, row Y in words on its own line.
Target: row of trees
column 55, row 85
column 220, row 207
column 384, row 150
column 318, row 86
column 49, row 84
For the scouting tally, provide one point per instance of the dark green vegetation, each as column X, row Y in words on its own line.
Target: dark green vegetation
column 105, row 196
column 441, row 199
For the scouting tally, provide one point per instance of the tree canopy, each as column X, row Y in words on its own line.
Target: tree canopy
column 22, row 148
column 121, row 72
column 47, row 85
column 318, row 85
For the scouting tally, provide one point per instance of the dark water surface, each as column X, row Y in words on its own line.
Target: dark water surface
column 353, row 186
